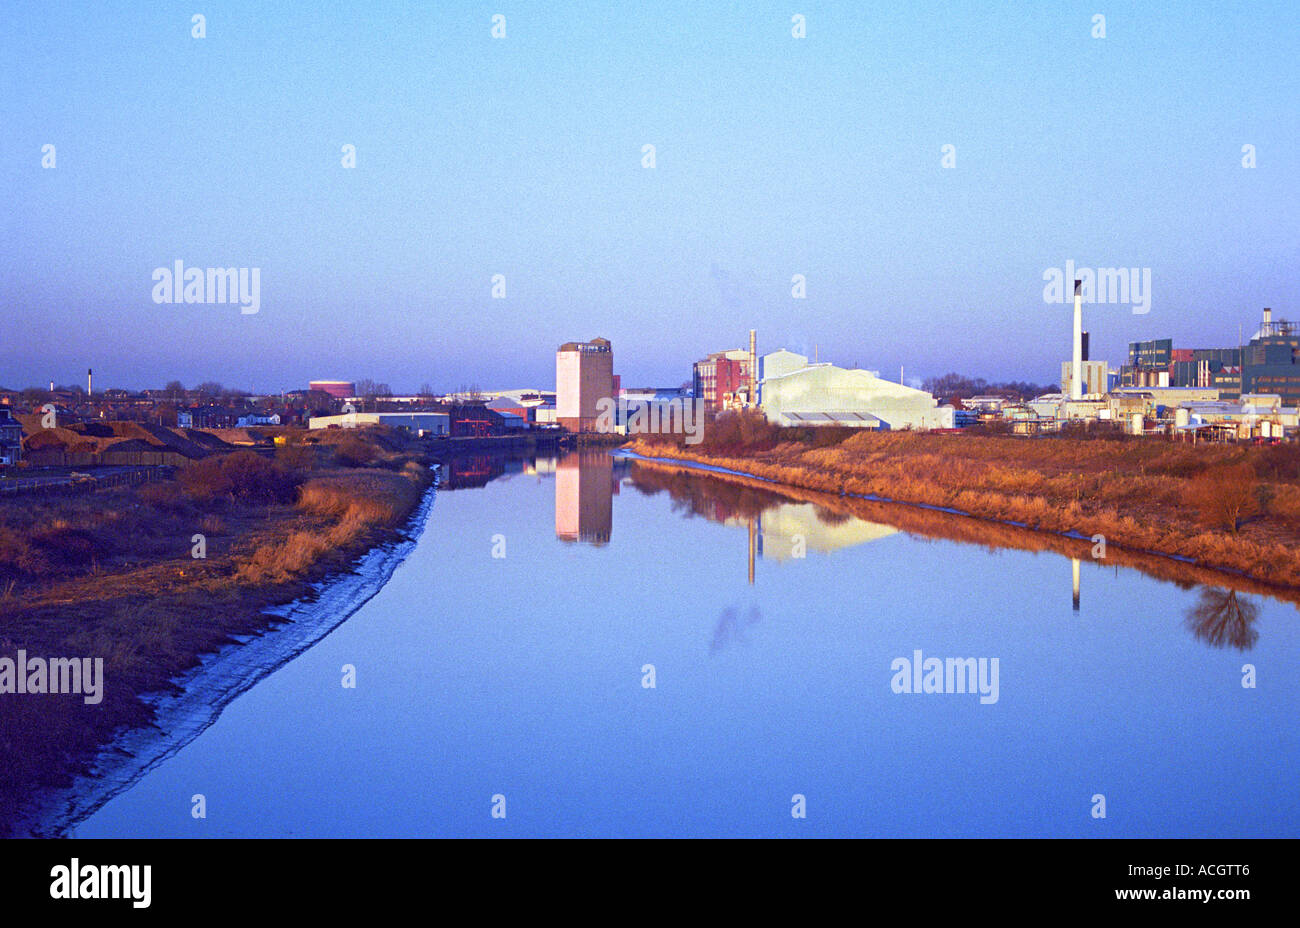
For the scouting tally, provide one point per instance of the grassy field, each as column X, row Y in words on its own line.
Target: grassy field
column 113, row 575
column 1227, row 507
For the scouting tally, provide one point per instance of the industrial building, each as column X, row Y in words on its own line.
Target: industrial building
column 1096, row 378
column 777, row 363
column 664, row 405
column 339, row 389
column 1207, row 367
column 724, row 379
column 584, row 375
column 505, row 405
column 823, row 394
column 424, row 424
column 1133, row 406
column 1271, row 362
column 1214, row 393
column 1253, row 416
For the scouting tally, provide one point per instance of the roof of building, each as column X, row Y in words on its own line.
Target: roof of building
column 597, row 344
column 823, row 418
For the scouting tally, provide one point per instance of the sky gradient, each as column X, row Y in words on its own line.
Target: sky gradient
column 522, row 156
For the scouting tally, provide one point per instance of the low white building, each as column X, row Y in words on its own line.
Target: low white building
column 792, row 390
column 424, row 424
column 1254, row 415
column 983, row 404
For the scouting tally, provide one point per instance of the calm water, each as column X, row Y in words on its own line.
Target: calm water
column 523, row 676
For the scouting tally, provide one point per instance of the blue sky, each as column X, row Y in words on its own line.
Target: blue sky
column 521, row 156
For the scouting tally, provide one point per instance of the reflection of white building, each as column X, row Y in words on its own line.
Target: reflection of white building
column 781, row 526
column 790, row 530
column 794, row 392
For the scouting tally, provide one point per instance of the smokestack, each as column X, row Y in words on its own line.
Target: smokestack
column 89, row 392
column 753, row 368
column 1268, row 319
column 1076, row 369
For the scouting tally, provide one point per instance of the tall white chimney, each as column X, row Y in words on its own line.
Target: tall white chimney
column 1076, row 368
column 89, row 391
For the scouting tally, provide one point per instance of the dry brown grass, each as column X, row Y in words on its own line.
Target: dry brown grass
column 110, row 574
column 350, row 505
column 1136, row 493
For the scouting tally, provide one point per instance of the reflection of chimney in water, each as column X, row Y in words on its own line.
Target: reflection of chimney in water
column 753, row 545
column 1074, row 566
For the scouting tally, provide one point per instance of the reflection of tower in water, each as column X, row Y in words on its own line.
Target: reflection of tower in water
column 584, row 497
column 753, row 548
column 1074, row 565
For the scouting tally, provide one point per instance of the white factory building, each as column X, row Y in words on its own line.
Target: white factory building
column 793, row 392
column 1096, row 379
column 420, row 423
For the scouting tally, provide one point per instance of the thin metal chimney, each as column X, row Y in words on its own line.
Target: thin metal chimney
column 1076, row 369
column 89, row 391
column 753, row 368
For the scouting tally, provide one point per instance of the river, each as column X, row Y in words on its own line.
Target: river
column 593, row 646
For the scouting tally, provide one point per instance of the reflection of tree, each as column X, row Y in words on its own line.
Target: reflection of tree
column 1220, row 619
column 716, row 500
column 832, row 518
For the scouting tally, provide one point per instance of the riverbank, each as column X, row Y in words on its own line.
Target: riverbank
column 1230, row 508
column 152, row 578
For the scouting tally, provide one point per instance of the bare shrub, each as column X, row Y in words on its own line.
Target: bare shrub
column 243, row 475
column 1225, row 495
